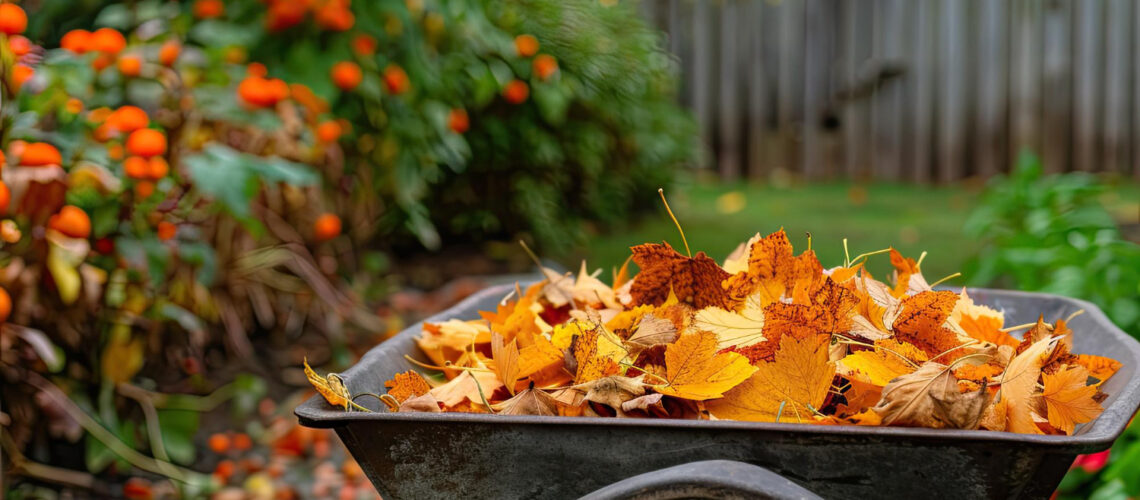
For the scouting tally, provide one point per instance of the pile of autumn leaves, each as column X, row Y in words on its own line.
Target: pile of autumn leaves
column 768, row 336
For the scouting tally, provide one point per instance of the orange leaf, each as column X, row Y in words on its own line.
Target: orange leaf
column 829, row 311
column 877, row 367
column 798, row 380
column 330, row 386
column 773, row 271
column 1098, row 366
column 696, row 281
column 920, row 323
column 1068, row 400
column 694, row 369
column 407, row 385
column 597, row 352
column 1019, row 383
column 506, row 359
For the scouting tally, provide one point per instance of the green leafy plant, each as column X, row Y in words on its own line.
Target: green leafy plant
column 1050, row 233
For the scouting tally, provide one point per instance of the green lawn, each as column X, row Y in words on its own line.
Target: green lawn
column 912, row 219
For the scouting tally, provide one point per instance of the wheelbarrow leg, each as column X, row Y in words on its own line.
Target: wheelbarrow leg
column 706, row 479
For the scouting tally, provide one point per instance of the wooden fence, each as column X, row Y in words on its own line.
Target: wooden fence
column 908, row 90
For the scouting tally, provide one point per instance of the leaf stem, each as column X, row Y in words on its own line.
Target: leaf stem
column 684, row 240
column 939, row 282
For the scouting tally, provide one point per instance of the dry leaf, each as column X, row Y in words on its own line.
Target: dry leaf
column 774, row 272
column 530, row 401
column 930, row 397
column 1069, row 401
column 731, row 328
column 694, row 369
column 796, row 381
column 876, row 367
column 652, row 331
column 330, row 386
column 506, row 359
column 613, row 391
column 1019, row 383
column 1098, row 366
column 407, row 385
column 695, row 281
column 425, row 403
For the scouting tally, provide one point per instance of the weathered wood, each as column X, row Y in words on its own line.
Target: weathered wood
column 1136, row 93
column 885, row 107
column 1087, row 39
column 952, row 91
column 789, row 99
column 856, row 87
column 1115, row 134
column 922, row 60
column 816, row 49
column 990, row 81
column 729, row 94
column 1056, row 78
column 702, row 82
column 757, row 90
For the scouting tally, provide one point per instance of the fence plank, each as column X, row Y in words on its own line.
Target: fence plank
column 990, row 81
column 757, row 91
column 855, row 90
column 816, row 61
column 1086, row 93
column 1025, row 79
column 729, row 93
column 701, row 100
column 791, row 72
column 1056, row 79
column 923, row 63
column 1114, row 137
column 952, row 93
column 1136, row 93
column 885, row 106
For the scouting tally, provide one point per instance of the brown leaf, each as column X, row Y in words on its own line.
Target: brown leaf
column 425, row 403
column 1068, row 399
column 407, row 385
column 773, row 272
column 695, row 281
column 930, row 397
column 920, row 320
column 613, row 391
column 530, row 401
column 652, row 331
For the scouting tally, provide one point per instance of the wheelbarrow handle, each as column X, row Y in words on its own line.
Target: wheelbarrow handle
column 705, row 479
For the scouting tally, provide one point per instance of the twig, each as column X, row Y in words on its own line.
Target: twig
column 153, row 426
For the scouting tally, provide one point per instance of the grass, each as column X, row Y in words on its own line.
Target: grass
column 718, row 217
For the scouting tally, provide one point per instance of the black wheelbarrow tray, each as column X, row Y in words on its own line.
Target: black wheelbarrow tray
column 459, row 455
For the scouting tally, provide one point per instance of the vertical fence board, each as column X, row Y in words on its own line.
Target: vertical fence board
column 757, row 90
column 701, row 87
column 815, row 86
column 888, row 66
column 1114, row 136
column 729, row 93
column 1086, row 93
column 952, row 93
column 990, row 81
column 855, row 89
column 923, row 63
column 1056, row 84
column 791, row 72
column 1025, row 79
column 1136, row 93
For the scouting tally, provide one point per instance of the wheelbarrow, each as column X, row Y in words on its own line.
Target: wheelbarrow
column 460, row 455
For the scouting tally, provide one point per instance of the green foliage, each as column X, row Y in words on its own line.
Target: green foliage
column 1051, row 234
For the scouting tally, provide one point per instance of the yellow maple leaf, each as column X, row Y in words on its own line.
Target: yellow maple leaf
column 877, row 367
column 1099, row 366
column 1068, row 398
column 694, row 370
column 506, row 360
column 731, row 328
column 789, row 387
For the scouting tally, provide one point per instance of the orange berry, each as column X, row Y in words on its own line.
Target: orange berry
column 108, row 41
column 20, row 45
column 335, row 16
column 39, row 154
column 168, row 53
column 364, row 45
column 326, row 227
column 167, row 231
column 219, row 443
column 346, row 75
column 526, row 45
column 516, row 91
column 242, row 441
column 21, row 73
column 457, row 120
column 146, row 142
column 157, row 168
column 115, row 151
column 13, row 20
column 136, row 167
column 328, row 131
column 130, row 65
column 224, row 470
column 73, row 106
column 209, row 9
column 71, row 221
column 256, row 69
column 77, row 41
column 396, row 80
column 5, row 198
column 5, row 305
column 102, row 62
column 144, row 189
column 137, row 488
column 262, row 92
column 545, row 65
column 283, row 15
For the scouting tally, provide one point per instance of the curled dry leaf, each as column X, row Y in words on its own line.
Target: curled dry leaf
column 931, row 397
column 329, row 386
column 652, row 331
column 528, row 402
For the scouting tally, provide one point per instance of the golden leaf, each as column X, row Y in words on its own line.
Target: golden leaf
column 506, row 359
column 1099, row 366
column 796, row 381
column 1019, row 383
column 774, row 272
column 330, row 386
column 877, row 367
column 694, row 369
column 1068, row 399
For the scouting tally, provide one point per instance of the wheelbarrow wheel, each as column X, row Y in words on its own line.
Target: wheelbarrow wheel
column 706, row 479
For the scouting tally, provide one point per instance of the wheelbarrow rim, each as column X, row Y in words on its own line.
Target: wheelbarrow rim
column 1096, row 435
